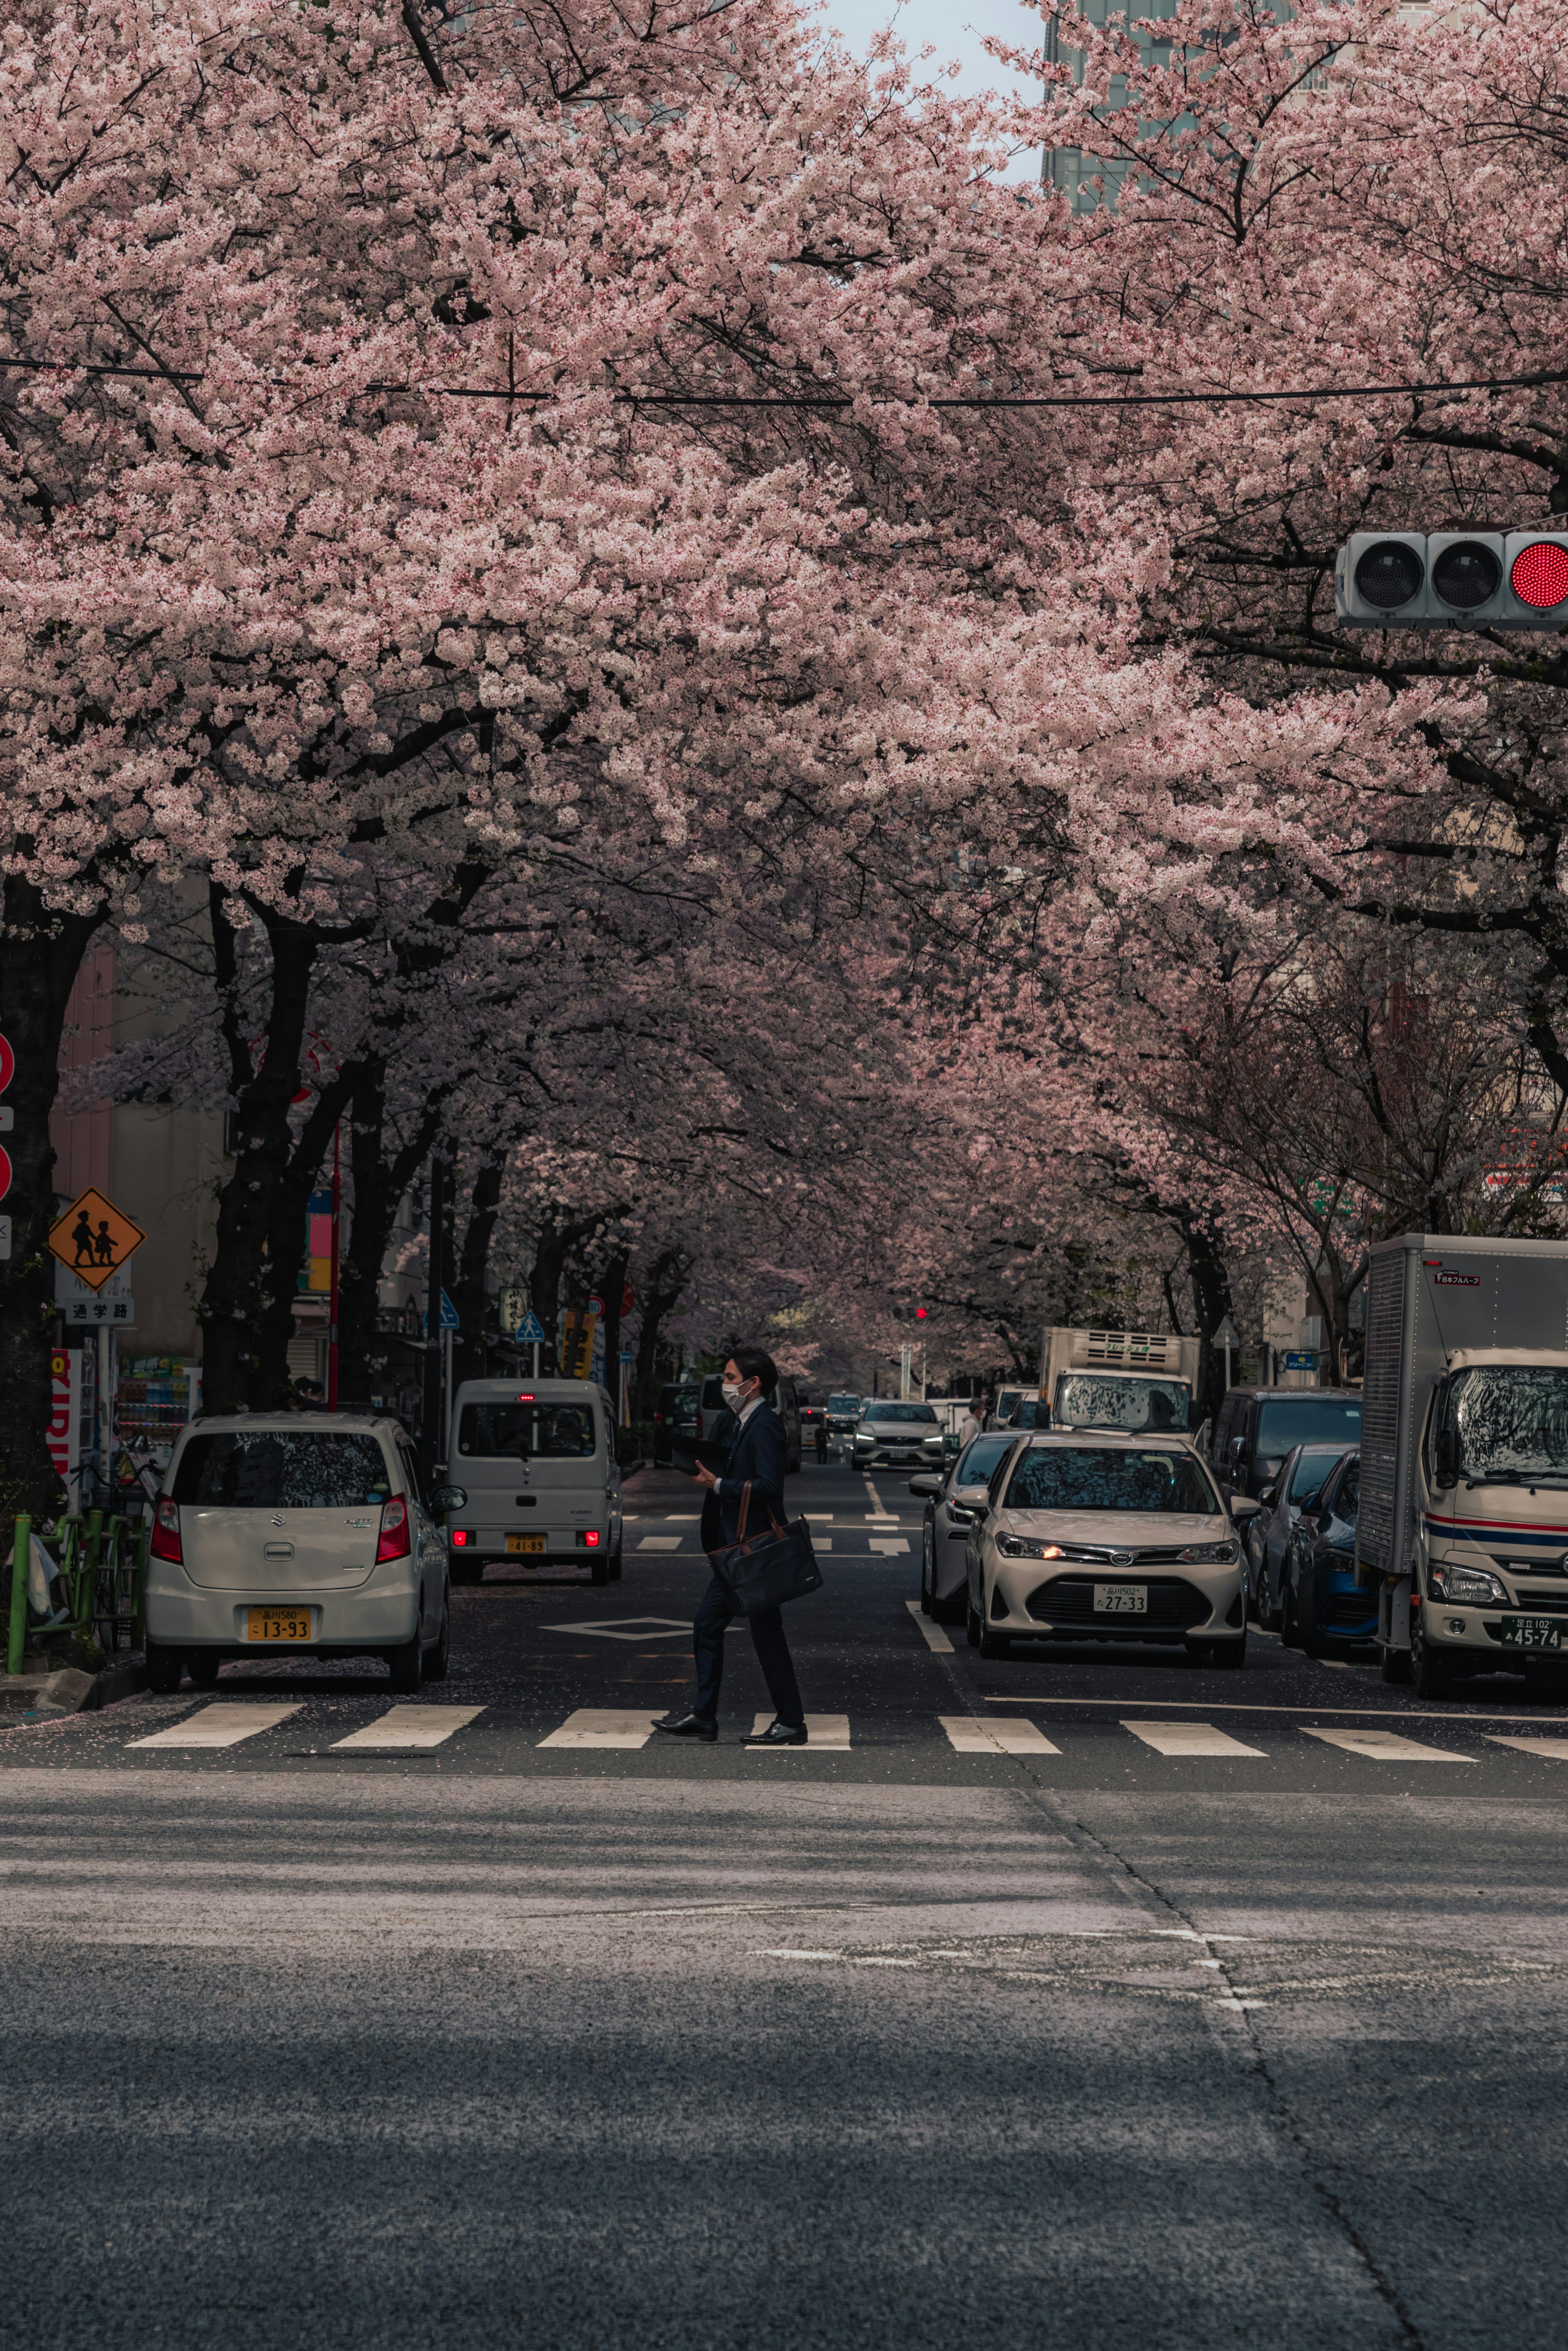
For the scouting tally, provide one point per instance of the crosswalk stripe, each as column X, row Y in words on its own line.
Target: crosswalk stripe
column 1189, row 1738
column 888, row 1545
column 1386, row 1747
column 974, row 1734
column 1557, row 1748
column 830, row 1731
column 659, row 1542
column 935, row 1638
column 411, row 1726
column 594, row 1726
column 223, row 1724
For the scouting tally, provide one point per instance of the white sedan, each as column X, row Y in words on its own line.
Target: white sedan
column 1105, row 1538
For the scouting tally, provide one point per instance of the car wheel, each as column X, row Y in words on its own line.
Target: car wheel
column 994, row 1645
column 1313, row 1643
column 201, row 1664
column 164, row 1668
column 436, row 1660
column 615, row 1565
column 1430, row 1677
column 973, row 1628
column 408, row 1665
column 599, row 1572
column 1289, row 1634
column 468, row 1571
column 1231, row 1654
column 1397, row 1666
column 927, row 1596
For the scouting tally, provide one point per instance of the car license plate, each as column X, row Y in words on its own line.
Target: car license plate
column 1531, row 1633
column 1121, row 1599
column 515, row 1543
column 277, row 1624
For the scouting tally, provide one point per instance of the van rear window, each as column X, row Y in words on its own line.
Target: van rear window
column 281, row 1469
column 541, row 1432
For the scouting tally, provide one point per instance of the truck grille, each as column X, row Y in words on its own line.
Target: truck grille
column 1070, row 1600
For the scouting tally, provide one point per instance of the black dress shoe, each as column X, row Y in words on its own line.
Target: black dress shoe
column 777, row 1734
column 687, row 1726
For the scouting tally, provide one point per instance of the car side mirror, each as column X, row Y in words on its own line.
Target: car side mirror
column 925, row 1487
column 452, row 1498
column 1266, row 1495
column 1243, row 1507
column 1238, row 1449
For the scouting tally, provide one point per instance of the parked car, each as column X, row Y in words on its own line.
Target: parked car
column 677, row 1417
column 303, row 1535
column 842, row 1412
column 554, row 1439
column 1256, row 1428
column 1321, row 1605
column 1267, row 1539
column 951, row 1501
column 893, row 1435
column 1007, row 1403
column 718, row 1419
column 1092, row 1537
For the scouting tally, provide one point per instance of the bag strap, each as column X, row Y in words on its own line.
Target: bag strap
column 746, row 1507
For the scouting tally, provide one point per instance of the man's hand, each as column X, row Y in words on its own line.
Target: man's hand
column 704, row 1476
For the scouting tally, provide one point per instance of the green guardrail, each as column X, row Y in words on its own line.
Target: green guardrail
column 101, row 1560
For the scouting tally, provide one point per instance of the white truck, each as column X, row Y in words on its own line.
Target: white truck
column 1463, row 1519
column 1133, row 1380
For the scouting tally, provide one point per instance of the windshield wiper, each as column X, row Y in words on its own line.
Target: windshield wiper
column 1518, row 1477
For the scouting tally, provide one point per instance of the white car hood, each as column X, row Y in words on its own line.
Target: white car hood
column 1117, row 1530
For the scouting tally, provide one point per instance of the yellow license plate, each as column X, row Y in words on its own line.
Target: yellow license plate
column 515, row 1543
column 278, row 1625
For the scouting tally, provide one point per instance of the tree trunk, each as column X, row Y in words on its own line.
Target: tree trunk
column 469, row 1352
column 662, row 1286
column 269, row 1385
column 612, row 1283
column 40, row 956
column 380, row 1183
column 553, row 1249
column 1210, row 1279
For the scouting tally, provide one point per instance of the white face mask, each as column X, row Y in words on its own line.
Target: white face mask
column 731, row 1394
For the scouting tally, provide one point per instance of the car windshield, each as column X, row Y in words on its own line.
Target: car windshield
column 980, row 1457
column 537, row 1428
column 1284, row 1421
column 1511, row 1423
column 1091, row 1400
column 1310, row 1469
column 901, row 1412
column 1100, row 1478
column 282, row 1469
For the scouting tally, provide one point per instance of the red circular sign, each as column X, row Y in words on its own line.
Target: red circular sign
column 8, row 1064
column 1539, row 576
column 4, row 1172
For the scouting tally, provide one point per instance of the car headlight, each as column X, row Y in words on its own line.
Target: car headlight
column 1218, row 1555
column 1462, row 1583
column 1024, row 1547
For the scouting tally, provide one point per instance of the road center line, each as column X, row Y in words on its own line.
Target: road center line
column 1226, row 1706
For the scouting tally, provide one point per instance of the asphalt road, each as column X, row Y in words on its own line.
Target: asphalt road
column 908, row 2041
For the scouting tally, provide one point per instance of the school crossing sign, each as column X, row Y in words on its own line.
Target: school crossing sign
column 94, row 1238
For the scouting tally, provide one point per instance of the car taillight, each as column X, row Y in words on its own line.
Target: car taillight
column 590, row 1538
column 166, row 1532
column 394, row 1539
column 461, row 1538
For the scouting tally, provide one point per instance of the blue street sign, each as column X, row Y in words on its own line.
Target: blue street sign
column 1298, row 1362
column 628, row 1354
column 530, row 1331
column 448, row 1320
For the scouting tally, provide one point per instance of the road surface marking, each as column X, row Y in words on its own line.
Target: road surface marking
column 1303, row 1706
column 626, row 1628
column 822, row 1543
column 877, row 1501
column 1556, row 1748
column 1189, row 1738
column 829, row 1730
column 972, row 1734
column 890, row 1546
column 410, row 1726
column 593, row 1726
column 935, row 1638
column 659, row 1542
column 223, row 1724
column 1386, row 1747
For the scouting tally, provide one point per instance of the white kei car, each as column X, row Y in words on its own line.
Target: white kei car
column 306, row 1533
column 1092, row 1537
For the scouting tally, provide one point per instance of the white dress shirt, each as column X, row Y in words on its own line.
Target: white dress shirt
column 744, row 1417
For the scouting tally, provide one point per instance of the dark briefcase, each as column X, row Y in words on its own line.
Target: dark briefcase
column 764, row 1570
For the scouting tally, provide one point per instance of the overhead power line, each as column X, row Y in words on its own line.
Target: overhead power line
column 830, row 402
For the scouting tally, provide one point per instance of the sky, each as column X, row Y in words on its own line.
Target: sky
column 955, row 29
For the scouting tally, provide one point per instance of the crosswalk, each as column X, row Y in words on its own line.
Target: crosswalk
column 419, row 1726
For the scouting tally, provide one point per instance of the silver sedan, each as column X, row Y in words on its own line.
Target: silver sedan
column 951, row 1502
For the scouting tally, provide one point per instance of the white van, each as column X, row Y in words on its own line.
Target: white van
column 534, row 1462
column 303, row 1532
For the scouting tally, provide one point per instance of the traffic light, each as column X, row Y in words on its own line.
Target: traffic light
column 1453, row 579
column 922, row 1313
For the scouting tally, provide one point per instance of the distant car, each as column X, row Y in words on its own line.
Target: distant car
column 895, row 1434
column 842, row 1412
column 677, row 1417
column 1105, row 1538
column 1321, row 1603
column 1268, row 1540
column 951, row 1501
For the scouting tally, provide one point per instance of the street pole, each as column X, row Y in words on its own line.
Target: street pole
column 105, row 1414
column 535, row 1359
column 431, row 1438
column 332, row 1308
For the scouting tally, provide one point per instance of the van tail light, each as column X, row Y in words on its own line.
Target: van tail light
column 166, row 1532
column 590, row 1538
column 394, row 1538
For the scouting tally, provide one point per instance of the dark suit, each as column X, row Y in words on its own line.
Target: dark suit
column 758, row 1452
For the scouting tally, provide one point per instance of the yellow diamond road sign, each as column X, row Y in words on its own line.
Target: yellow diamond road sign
column 94, row 1238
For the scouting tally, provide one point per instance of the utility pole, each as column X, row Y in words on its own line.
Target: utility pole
column 432, row 1437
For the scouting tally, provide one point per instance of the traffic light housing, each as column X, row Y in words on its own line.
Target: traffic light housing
column 1453, row 579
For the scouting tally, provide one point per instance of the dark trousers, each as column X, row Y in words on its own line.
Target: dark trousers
column 716, row 1609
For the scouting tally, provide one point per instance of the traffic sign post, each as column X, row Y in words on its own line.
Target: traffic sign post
column 1226, row 1336
column 94, row 1239
column 531, row 1333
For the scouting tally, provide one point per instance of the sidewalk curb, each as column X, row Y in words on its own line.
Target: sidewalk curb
column 70, row 1691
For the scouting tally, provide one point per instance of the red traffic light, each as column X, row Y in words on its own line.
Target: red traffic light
column 1539, row 576
column 921, row 1312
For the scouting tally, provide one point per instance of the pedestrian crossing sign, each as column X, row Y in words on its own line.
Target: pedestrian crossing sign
column 530, row 1331
column 94, row 1238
